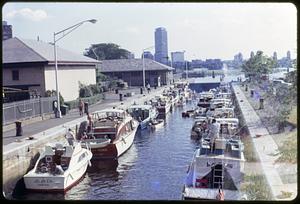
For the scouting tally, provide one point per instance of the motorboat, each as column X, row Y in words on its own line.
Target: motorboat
column 221, row 113
column 164, row 105
column 215, row 169
column 157, row 123
column 200, row 128
column 143, row 114
column 111, row 134
column 205, row 98
column 58, row 168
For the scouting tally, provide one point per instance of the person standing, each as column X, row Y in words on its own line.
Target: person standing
column 80, row 107
column 70, row 137
column 148, row 87
column 214, row 130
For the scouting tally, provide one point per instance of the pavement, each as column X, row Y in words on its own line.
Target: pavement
column 265, row 147
column 111, row 99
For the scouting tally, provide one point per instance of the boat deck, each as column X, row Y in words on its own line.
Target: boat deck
column 209, row 194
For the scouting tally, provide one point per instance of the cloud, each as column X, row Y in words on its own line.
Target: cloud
column 27, row 13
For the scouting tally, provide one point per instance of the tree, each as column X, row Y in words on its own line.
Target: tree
column 106, row 51
column 258, row 65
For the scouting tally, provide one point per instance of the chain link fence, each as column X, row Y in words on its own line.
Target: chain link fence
column 26, row 109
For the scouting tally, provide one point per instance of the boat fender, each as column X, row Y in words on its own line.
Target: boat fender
column 90, row 164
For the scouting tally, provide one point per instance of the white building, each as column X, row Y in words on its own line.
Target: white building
column 29, row 65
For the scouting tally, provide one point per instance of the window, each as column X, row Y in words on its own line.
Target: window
column 15, row 75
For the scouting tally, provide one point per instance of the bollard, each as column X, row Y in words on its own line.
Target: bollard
column 251, row 93
column 19, row 130
column 141, row 90
column 121, row 97
column 117, row 91
column 261, row 103
column 246, row 88
column 86, row 107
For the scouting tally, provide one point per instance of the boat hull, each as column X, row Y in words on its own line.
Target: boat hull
column 115, row 149
column 61, row 183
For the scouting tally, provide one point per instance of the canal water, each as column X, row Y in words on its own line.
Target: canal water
column 154, row 168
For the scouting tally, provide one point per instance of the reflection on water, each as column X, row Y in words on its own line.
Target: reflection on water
column 154, row 167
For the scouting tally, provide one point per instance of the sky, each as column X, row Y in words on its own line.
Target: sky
column 203, row 30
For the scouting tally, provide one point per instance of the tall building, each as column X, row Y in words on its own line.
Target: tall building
column 6, row 31
column 148, row 55
column 161, row 45
column 177, row 56
column 288, row 55
column 251, row 54
column 275, row 56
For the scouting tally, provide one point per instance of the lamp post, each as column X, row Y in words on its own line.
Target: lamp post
column 186, row 71
column 143, row 56
column 69, row 29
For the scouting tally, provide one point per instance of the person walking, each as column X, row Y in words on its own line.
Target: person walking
column 70, row 137
column 148, row 87
column 80, row 107
column 214, row 130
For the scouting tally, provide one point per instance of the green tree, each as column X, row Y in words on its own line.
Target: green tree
column 258, row 65
column 106, row 51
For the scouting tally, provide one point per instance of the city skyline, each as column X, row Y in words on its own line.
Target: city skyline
column 204, row 30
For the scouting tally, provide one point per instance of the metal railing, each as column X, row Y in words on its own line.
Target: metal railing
column 26, row 109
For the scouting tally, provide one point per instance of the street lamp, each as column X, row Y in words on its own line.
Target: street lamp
column 186, row 71
column 143, row 56
column 69, row 29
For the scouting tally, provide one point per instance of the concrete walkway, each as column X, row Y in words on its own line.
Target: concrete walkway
column 266, row 147
column 45, row 126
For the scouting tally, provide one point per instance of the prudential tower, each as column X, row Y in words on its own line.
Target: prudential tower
column 161, row 45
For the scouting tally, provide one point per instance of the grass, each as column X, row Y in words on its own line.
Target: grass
column 293, row 116
column 249, row 151
column 288, row 150
column 256, row 188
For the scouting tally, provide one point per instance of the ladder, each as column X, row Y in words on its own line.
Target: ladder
column 218, row 176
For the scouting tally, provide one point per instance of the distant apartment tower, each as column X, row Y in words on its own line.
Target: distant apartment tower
column 251, row 54
column 288, row 55
column 177, row 56
column 161, row 45
column 275, row 56
column 148, row 55
column 6, row 31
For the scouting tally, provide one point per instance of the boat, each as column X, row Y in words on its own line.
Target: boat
column 157, row 123
column 164, row 105
column 221, row 113
column 200, row 128
column 204, row 99
column 58, row 168
column 181, row 102
column 112, row 133
column 143, row 114
column 213, row 170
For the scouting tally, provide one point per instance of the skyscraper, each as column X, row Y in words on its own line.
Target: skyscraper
column 288, row 55
column 251, row 54
column 275, row 56
column 161, row 46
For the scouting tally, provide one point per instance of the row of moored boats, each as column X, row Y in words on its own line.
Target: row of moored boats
column 216, row 170
column 106, row 134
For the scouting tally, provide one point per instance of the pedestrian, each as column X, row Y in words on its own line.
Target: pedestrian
column 90, row 123
column 80, row 107
column 214, row 130
column 148, row 88
column 70, row 137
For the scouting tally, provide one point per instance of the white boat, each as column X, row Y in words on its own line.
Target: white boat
column 58, row 168
column 205, row 99
column 214, row 170
column 164, row 105
column 112, row 133
column 143, row 114
column 157, row 123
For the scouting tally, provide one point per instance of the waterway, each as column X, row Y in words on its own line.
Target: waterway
column 154, row 168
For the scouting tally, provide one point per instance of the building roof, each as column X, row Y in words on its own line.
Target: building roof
column 16, row 50
column 126, row 65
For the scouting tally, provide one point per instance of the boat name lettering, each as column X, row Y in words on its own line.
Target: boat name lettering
column 41, row 181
